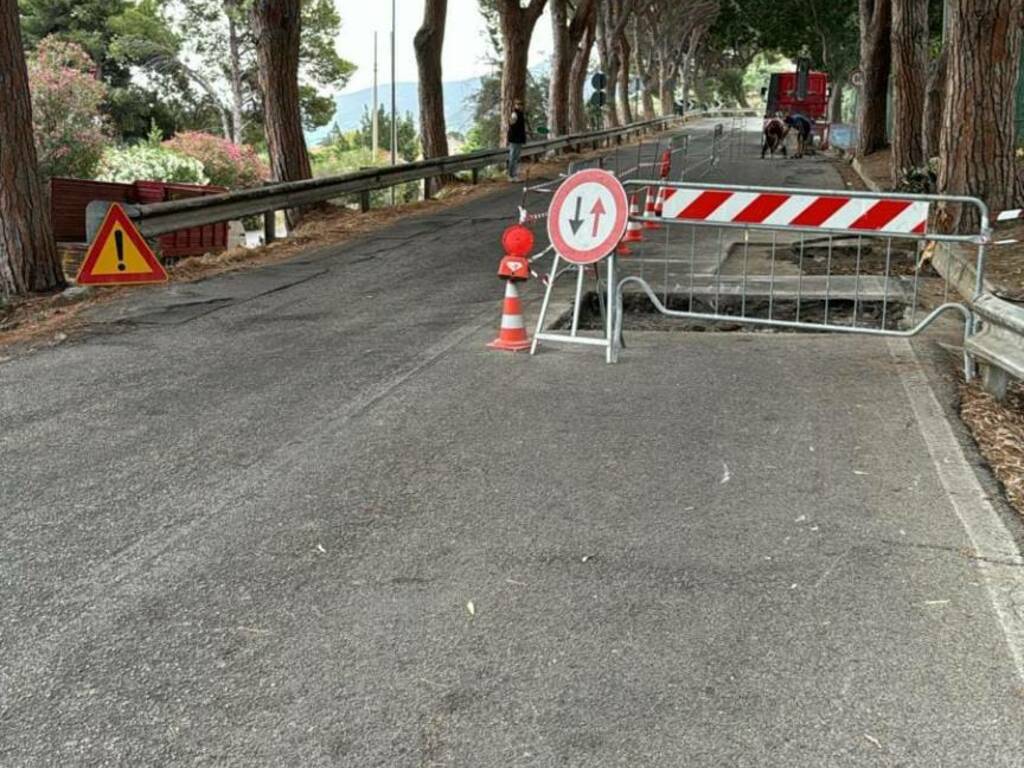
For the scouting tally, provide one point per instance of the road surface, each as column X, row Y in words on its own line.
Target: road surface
column 303, row 516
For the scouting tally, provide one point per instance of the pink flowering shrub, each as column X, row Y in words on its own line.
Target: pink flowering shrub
column 226, row 164
column 70, row 133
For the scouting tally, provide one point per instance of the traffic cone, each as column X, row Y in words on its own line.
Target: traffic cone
column 512, row 336
column 634, row 231
column 623, row 249
column 659, row 203
column 651, row 208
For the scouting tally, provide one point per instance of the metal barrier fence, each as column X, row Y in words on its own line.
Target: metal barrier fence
column 799, row 259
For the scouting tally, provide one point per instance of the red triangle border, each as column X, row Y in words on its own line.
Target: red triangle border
column 116, row 215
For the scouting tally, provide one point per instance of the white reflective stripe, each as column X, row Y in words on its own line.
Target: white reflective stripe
column 733, row 206
column 849, row 213
column 910, row 218
column 790, row 209
column 512, row 321
column 680, row 201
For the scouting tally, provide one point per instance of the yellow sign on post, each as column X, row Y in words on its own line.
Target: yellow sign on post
column 119, row 254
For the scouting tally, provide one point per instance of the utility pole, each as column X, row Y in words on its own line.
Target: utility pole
column 375, row 117
column 394, row 101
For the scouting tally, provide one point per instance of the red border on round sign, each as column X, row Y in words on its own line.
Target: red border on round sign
column 598, row 252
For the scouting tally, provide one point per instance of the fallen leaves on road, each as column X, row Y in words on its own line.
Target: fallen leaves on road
column 998, row 429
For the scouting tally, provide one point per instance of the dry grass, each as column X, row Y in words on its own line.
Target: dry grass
column 998, row 429
column 40, row 320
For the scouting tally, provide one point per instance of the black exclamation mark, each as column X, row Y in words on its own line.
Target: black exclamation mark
column 119, row 244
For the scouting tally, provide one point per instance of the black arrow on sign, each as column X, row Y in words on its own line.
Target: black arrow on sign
column 577, row 222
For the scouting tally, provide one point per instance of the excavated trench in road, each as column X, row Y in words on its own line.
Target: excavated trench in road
column 754, row 263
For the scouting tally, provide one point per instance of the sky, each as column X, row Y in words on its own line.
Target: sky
column 466, row 44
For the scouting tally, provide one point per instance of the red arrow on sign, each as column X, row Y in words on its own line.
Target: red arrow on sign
column 597, row 212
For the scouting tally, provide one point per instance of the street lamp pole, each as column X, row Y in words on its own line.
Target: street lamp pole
column 394, row 101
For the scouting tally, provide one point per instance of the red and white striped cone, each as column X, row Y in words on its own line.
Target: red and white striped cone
column 512, row 336
column 651, row 208
column 659, row 203
column 634, row 230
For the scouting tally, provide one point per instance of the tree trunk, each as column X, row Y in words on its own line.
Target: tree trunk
column 835, row 102
column 650, row 113
column 277, row 26
column 558, row 95
column 235, row 74
column 875, row 63
column 578, row 77
column 517, row 25
column 625, row 67
column 666, row 86
column 611, row 112
column 429, row 43
column 933, row 97
column 978, row 138
column 28, row 253
column 568, row 39
column 909, row 69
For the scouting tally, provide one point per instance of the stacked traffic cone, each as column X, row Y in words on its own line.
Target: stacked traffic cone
column 512, row 336
column 659, row 203
column 651, row 208
column 634, row 231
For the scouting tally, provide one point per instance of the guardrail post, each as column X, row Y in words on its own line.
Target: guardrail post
column 428, row 188
column 269, row 227
column 475, row 172
column 364, row 200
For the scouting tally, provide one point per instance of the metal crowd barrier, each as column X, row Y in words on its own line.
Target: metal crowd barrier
column 798, row 259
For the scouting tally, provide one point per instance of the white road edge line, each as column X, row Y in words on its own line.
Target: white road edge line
column 998, row 558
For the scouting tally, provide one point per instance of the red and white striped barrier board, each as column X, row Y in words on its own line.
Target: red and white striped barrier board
column 778, row 209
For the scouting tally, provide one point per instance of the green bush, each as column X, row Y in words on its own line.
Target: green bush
column 145, row 162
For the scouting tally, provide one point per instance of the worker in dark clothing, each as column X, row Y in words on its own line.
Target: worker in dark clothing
column 803, row 127
column 516, row 138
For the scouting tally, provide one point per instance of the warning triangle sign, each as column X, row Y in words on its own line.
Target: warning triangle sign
column 119, row 254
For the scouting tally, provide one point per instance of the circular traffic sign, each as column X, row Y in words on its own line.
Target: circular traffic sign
column 588, row 216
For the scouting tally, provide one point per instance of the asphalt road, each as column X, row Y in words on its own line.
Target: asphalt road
column 243, row 522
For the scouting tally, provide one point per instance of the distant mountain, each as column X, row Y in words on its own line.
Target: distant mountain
column 458, row 108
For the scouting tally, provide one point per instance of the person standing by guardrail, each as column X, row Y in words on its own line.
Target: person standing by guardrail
column 516, row 138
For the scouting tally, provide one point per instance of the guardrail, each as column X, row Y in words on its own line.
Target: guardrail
column 998, row 342
column 160, row 218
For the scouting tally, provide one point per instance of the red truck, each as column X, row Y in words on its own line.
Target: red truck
column 801, row 92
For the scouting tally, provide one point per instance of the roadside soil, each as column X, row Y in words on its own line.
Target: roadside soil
column 998, row 430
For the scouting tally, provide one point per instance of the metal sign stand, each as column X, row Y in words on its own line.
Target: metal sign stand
column 573, row 336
